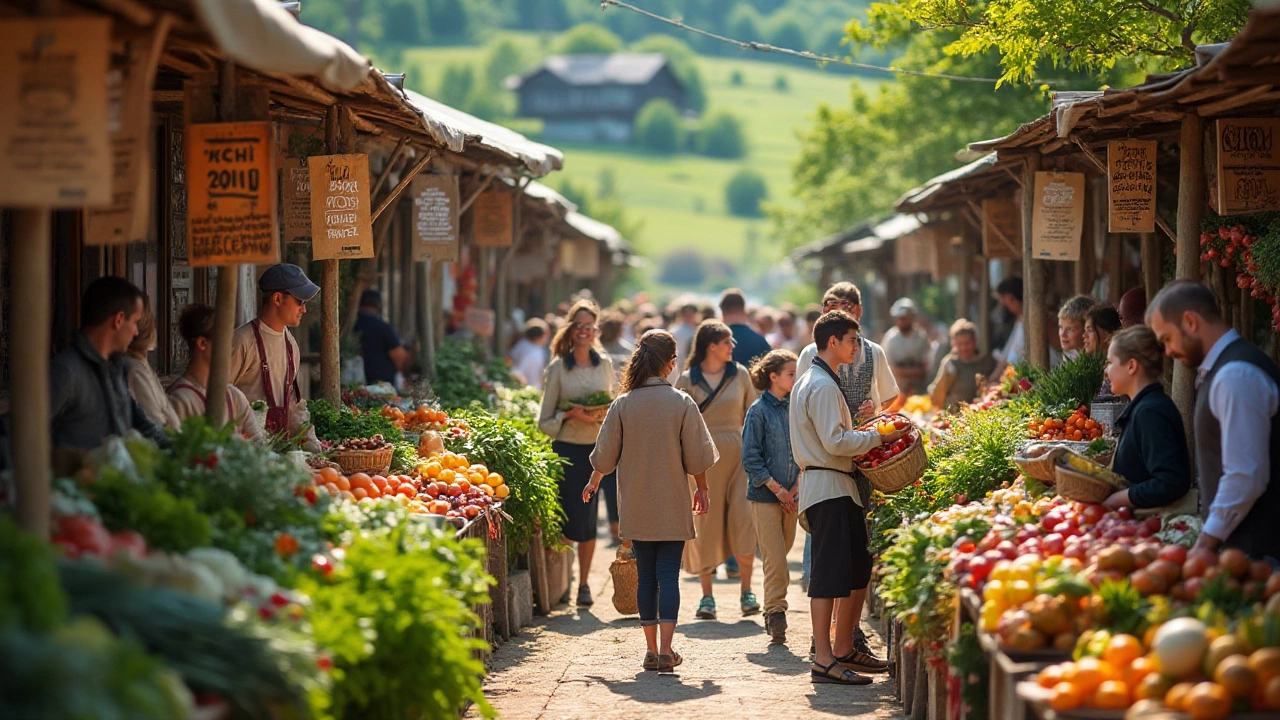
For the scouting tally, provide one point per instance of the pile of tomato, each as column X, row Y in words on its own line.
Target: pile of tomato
column 1077, row 427
column 887, row 451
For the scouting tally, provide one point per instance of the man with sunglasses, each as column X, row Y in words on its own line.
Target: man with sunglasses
column 264, row 355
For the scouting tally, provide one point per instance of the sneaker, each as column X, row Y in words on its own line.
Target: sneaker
column 584, row 597
column 706, row 609
column 859, row 661
column 731, row 569
column 750, row 606
column 775, row 624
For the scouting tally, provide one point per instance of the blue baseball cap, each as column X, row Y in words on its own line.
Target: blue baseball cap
column 289, row 278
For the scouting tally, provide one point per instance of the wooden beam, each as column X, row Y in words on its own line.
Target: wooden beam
column 466, row 204
column 339, row 139
column 1248, row 97
column 1033, row 309
column 404, row 183
column 31, row 253
column 977, row 212
column 1191, row 200
column 224, row 319
column 1151, row 263
column 392, row 159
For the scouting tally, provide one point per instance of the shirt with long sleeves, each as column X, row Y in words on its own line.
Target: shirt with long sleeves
column 1243, row 399
column 1152, row 451
column 749, row 344
column 529, row 359
column 766, row 447
column 89, row 399
column 884, row 388
column 149, row 393
column 566, row 381
column 188, row 398
column 655, row 438
column 823, row 436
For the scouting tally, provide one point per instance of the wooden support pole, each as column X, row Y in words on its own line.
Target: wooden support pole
column 330, row 359
column 426, row 318
column 1082, row 282
column 1151, row 263
column 1033, row 289
column 984, row 304
column 1191, row 198
column 30, row 253
column 224, row 319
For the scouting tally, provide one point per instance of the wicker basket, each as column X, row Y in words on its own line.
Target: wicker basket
column 626, row 582
column 376, row 462
column 1041, row 467
column 595, row 412
column 900, row 470
column 1075, row 485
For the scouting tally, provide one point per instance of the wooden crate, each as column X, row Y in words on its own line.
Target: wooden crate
column 493, row 614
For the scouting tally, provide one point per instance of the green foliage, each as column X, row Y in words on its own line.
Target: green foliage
column 456, row 85
column 404, row 458
column 505, row 58
column 465, row 375
column 589, row 39
column 721, row 135
column 787, row 31
column 744, row 23
column 30, row 596
column 658, row 127
column 515, row 448
column 971, row 665
column 744, row 193
column 781, row 84
column 1066, row 387
column 345, row 423
column 684, row 64
column 144, row 505
column 396, row 614
column 1092, row 36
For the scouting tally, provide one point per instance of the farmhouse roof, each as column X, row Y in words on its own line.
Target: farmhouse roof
column 615, row 69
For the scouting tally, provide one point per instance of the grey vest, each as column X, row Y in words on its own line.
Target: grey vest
column 1258, row 534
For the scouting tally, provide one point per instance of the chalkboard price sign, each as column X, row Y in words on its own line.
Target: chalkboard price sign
column 231, row 214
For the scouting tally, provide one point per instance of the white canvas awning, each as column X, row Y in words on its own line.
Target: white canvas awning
column 537, row 159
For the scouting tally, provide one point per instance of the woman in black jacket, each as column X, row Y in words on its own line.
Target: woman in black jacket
column 1152, row 452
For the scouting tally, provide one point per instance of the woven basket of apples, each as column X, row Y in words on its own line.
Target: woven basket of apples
column 895, row 464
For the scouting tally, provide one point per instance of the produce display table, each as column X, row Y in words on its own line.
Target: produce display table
column 1036, row 701
column 488, row 529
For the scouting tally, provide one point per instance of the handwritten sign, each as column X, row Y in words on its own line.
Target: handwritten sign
column 55, row 146
column 1248, row 165
column 1057, row 215
column 492, row 221
column 231, row 216
column 1001, row 229
column 435, row 217
column 340, row 213
column 1131, row 186
column 295, row 199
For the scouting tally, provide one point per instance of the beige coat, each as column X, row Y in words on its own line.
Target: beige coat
column 564, row 384
column 654, row 437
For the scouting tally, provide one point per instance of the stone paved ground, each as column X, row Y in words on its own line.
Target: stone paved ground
column 586, row 664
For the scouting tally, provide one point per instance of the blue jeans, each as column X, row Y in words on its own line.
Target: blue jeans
column 658, row 571
column 609, row 488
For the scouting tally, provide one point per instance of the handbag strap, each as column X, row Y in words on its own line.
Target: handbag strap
column 730, row 371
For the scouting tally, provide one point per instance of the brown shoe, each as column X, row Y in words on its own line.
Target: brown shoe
column 650, row 661
column 668, row 663
column 859, row 661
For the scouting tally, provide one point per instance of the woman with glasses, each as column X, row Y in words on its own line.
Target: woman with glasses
column 578, row 368
column 723, row 391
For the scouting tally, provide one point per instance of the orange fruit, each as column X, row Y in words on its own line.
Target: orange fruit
column 359, row 492
column 374, row 492
column 406, row 490
column 1176, row 698
column 447, row 476
column 328, row 475
column 433, row 469
column 464, row 484
column 482, row 470
column 1050, row 677
column 1152, row 687
column 379, row 482
column 1138, row 670
column 361, row 480
column 332, row 488
column 1270, row 694
column 475, row 478
column 1111, row 695
column 1208, row 701
column 494, row 479
column 1088, row 674
column 488, row 490
column 1122, row 650
column 1066, row 697
column 501, row 492
column 343, row 482
column 462, row 462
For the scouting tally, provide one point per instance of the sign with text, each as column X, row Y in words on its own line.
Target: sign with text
column 1001, row 229
column 1057, row 215
column 1131, row 186
column 231, row 213
column 491, row 218
column 1248, row 165
column 435, row 217
column 295, row 199
column 341, row 228
column 55, row 146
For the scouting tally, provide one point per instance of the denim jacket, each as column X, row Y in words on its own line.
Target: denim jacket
column 766, row 447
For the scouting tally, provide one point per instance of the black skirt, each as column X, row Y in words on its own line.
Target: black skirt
column 581, row 523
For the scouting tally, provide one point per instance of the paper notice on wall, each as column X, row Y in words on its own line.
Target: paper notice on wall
column 435, row 217
column 342, row 228
column 295, row 199
column 231, row 209
column 1248, row 165
column 55, row 146
column 1131, row 186
column 1057, row 219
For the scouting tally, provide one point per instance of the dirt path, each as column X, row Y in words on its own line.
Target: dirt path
column 586, row 663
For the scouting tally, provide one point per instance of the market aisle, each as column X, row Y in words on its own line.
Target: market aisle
column 586, row 664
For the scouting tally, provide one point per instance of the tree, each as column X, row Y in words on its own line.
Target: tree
column 744, row 24
column 786, row 31
column 401, row 24
column 1087, row 36
column 589, row 39
column 456, row 85
column 684, row 63
column 658, row 127
column 450, row 22
column 504, row 60
column 744, row 193
column 721, row 136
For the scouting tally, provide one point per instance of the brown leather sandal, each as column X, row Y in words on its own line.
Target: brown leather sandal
column 668, row 663
column 650, row 661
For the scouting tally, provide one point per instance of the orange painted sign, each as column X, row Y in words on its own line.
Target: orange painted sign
column 231, row 213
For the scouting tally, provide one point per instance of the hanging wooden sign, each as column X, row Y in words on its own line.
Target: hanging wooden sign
column 55, row 146
column 1131, row 186
column 231, row 209
column 580, row 257
column 435, row 217
column 1001, row 229
column 1248, row 165
column 295, row 199
column 492, row 218
column 1057, row 216
column 340, row 213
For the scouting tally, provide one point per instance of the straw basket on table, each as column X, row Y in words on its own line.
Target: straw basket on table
column 901, row 470
column 1040, row 466
column 1092, row 486
column 626, row 582
column 376, row 462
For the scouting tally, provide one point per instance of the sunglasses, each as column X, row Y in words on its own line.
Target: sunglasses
column 840, row 305
column 584, row 327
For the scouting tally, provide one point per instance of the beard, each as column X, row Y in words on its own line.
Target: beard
column 1193, row 351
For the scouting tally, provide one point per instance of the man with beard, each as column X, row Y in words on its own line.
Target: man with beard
column 1236, row 429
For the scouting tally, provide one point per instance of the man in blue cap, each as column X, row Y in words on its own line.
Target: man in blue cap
column 264, row 354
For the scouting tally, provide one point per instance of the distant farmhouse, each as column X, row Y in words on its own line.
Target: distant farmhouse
column 595, row 98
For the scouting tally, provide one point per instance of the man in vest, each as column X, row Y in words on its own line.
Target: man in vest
column 265, row 357
column 1236, row 428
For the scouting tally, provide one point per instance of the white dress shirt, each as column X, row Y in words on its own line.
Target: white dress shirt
column 1013, row 348
column 1243, row 398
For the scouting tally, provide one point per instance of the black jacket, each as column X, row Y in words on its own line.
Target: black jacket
column 1152, row 452
column 89, row 399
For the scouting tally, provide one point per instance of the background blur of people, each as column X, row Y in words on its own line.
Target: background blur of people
column 907, row 347
column 750, row 344
column 529, row 355
column 611, row 338
column 957, row 380
column 683, row 331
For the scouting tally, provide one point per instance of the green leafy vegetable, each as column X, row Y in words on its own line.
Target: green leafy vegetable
column 30, row 595
column 344, row 423
column 464, row 374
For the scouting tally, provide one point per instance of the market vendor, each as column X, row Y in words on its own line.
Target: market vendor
column 1152, row 451
column 187, row 393
column 385, row 356
column 957, row 379
column 265, row 357
column 908, row 347
column 89, row 396
column 1236, row 428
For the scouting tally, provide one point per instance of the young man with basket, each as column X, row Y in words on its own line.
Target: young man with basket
column 824, row 441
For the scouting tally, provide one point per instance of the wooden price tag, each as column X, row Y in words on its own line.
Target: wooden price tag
column 1131, row 186
column 435, row 217
column 55, row 147
column 231, row 215
column 1057, row 218
column 295, row 199
column 1248, row 165
column 340, row 213
column 492, row 218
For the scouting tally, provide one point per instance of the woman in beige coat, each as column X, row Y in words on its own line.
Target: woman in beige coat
column 723, row 391
column 655, row 438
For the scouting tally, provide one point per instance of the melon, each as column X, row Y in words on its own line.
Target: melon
column 1180, row 645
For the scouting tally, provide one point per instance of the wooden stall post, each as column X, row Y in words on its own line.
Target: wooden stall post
column 224, row 319
column 1082, row 282
column 1191, row 198
column 984, row 304
column 1151, row 263
column 1033, row 288
column 340, row 139
column 30, row 310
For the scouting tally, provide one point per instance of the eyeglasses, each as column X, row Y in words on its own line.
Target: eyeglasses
column 584, row 327
column 840, row 305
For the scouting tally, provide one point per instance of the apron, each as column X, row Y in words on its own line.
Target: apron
column 856, row 386
column 277, row 415
column 182, row 385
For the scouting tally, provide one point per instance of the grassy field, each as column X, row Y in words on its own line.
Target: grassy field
column 680, row 199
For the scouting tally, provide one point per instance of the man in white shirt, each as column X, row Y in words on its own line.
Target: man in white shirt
column 908, row 348
column 1236, row 429
column 824, row 443
column 529, row 355
column 683, row 331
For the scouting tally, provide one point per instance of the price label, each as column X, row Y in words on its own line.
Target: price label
column 231, row 190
